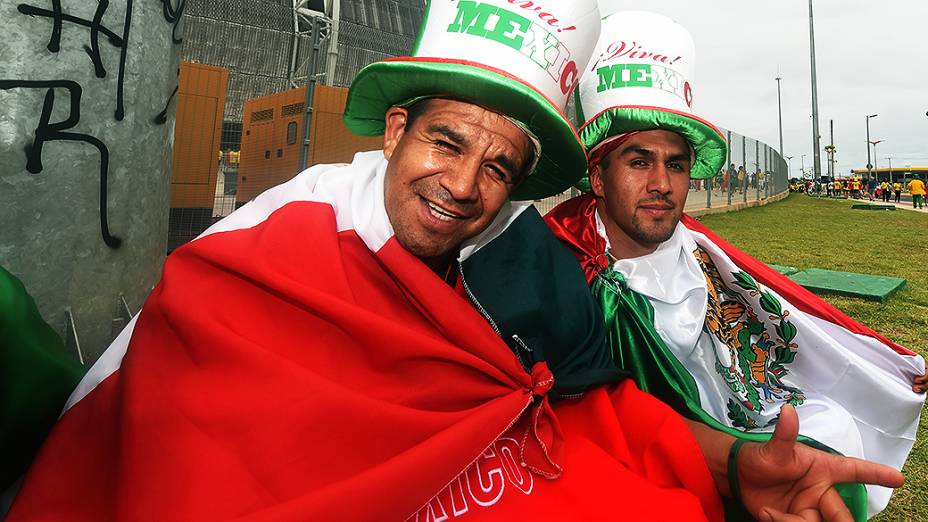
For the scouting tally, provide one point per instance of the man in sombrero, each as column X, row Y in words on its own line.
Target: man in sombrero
column 721, row 337
column 402, row 338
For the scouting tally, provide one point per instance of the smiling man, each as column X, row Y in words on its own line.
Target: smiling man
column 451, row 167
column 718, row 335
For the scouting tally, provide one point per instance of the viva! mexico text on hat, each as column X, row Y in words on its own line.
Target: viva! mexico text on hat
column 642, row 78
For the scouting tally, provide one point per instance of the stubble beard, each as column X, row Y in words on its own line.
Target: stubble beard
column 430, row 248
column 657, row 233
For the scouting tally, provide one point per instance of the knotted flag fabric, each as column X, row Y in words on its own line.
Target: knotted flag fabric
column 726, row 340
column 297, row 363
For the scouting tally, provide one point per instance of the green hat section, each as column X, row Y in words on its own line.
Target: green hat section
column 710, row 147
column 382, row 85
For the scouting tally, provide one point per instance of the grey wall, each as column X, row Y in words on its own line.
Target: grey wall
column 51, row 235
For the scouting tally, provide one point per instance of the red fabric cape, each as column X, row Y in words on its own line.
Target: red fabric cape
column 272, row 378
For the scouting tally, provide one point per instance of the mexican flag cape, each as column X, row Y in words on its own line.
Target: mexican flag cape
column 726, row 340
column 296, row 363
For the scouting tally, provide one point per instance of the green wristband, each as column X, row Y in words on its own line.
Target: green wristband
column 733, row 469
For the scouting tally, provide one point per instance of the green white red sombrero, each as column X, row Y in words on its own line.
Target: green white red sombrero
column 641, row 78
column 519, row 59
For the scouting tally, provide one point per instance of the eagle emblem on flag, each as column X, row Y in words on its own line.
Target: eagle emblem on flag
column 757, row 361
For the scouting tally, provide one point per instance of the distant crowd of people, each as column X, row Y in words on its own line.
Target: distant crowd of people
column 733, row 180
column 871, row 189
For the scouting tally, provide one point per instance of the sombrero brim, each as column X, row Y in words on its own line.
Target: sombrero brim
column 707, row 140
column 384, row 84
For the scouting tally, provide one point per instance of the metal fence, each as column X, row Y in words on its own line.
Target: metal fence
column 262, row 123
column 754, row 171
column 263, row 54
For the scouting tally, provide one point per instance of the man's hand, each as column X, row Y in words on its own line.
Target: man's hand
column 920, row 385
column 784, row 480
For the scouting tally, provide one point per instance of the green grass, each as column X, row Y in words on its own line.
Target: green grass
column 818, row 233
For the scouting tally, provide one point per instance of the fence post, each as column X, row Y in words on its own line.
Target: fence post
column 730, row 174
column 310, row 92
column 766, row 171
column 744, row 158
column 757, row 169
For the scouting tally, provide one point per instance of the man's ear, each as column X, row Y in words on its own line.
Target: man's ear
column 395, row 120
column 596, row 180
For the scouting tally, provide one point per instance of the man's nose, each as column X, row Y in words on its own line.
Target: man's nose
column 460, row 180
column 659, row 180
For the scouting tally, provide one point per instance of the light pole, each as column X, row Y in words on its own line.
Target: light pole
column 875, row 142
column 817, row 165
column 802, row 165
column 830, row 150
column 780, row 110
column 789, row 166
column 869, row 165
column 334, row 9
column 890, row 159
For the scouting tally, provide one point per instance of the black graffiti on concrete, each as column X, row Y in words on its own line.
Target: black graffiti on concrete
column 162, row 116
column 93, row 50
column 123, row 52
column 58, row 17
column 47, row 132
column 173, row 13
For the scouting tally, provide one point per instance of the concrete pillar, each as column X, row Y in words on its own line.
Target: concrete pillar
column 86, row 137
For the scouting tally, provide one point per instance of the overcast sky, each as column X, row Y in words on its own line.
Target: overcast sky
column 872, row 58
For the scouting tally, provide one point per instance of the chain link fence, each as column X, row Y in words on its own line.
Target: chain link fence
column 242, row 106
column 259, row 96
column 753, row 172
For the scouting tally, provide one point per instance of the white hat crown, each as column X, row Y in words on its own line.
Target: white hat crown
column 642, row 59
column 545, row 44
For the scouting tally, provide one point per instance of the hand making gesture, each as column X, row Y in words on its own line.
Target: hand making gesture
column 783, row 480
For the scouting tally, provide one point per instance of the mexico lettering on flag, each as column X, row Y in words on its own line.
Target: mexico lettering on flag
column 727, row 340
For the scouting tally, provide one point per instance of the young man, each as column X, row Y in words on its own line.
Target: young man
column 709, row 330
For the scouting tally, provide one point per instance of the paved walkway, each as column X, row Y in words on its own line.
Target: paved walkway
column 904, row 205
column 908, row 206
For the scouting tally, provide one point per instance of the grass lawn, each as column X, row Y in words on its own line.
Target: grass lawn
column 808, row 232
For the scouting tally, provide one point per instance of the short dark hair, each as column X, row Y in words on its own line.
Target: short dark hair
column 417, row 109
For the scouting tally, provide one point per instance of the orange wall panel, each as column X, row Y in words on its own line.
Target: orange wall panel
column 201, row 98
column 269, row 159
column 330, row 140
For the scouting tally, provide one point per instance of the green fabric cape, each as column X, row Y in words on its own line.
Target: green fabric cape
column 36, row 378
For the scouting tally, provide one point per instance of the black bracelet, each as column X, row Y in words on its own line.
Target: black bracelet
column 733, row 470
